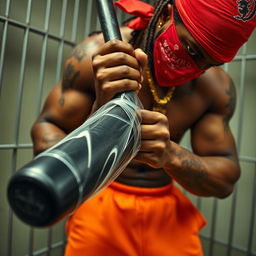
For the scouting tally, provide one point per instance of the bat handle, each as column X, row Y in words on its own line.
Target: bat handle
column 108, row 20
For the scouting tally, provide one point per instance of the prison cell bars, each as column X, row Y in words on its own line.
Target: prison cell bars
column 60, row 39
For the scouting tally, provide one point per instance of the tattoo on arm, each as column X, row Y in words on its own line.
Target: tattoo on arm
column 192, row 165
column 69, row 78
column 230, row 106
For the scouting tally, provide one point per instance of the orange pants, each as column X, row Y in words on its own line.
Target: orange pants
column 132, row 221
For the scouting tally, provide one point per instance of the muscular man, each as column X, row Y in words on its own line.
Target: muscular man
column 181, row 88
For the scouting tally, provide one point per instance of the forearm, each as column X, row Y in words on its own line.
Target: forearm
column 203, row 176
column 44, row 135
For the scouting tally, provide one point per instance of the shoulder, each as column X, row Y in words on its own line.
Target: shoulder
column 218, row 87
column 91, row 44
column 78, row 72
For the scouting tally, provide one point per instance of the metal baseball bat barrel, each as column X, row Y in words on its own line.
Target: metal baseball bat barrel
column 58, row 180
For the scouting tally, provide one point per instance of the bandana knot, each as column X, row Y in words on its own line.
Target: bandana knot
column 141, row 10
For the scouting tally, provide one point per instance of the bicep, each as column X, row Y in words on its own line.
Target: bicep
column 66, row 109
column 211, row 136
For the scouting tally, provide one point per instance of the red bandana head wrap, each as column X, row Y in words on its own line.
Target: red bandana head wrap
column 220, row 27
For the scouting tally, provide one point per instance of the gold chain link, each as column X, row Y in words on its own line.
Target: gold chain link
column 159, row 101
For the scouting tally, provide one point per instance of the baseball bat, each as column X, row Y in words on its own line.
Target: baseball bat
column 87, row 160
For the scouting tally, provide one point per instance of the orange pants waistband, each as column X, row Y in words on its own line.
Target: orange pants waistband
column 144, row 191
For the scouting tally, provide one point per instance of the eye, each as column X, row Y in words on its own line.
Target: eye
column 191, row 51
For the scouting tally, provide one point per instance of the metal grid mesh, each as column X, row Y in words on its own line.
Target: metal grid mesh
column 35, row 37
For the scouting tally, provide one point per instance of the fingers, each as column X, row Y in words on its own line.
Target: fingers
column 151, row 117
column 143, row 61
column 117, row 68
column 154, row 131
column 152, row 146
column 115, row 59
column 117, row 73
column 155, row 139
column 110, row 88
column 115, row 46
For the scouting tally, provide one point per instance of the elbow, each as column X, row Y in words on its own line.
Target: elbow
column 228, row 188
column 225, row 192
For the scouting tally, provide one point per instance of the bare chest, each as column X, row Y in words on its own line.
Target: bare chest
column 183, row 109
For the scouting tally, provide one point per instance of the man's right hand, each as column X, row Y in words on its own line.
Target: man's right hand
column 117, row 68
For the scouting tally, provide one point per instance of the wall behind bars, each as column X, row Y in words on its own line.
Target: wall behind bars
column 35, row 37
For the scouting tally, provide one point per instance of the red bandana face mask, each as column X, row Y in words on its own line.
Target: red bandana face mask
column 172, row 64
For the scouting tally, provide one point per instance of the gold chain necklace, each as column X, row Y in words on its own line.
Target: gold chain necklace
column 160, row 103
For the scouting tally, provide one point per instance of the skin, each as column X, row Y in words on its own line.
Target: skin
column 95, row 71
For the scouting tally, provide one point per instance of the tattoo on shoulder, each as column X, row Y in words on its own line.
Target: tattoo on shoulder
column 84, row 49
column 69, row 78
column 231, row 103
column 79, row 52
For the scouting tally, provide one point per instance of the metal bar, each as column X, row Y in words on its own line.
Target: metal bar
column 47, row 15
column 61, row 46
column 43, row 57
column 36, row 30
column 238, row 248
column 41, row 82
column 75, row 20
column 49, row 242
column 252, row 219
column 247, row 57
column 10, row 213
column 2, row 54
column 88, row 18
column 44, row 250
column 239, row 135
column 17, row 121
column 64, row 239
column 7, row 8
column 20, row 90
column 213, row 226
column 247, row 159
column 28, row 16
column 30, row 145
column 31, row 242
column 14, row 146
column 20, row 87
column 58, row 71
column 3, row 46
column 199, row 203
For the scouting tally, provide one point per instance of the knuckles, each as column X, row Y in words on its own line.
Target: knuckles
column 96, row 61
column 116, row 45
column 121, row 57
column 125, row 70
column 107, row 88
column 100, row 75
column 159, row 146
column 162, row 119
column 126, row 83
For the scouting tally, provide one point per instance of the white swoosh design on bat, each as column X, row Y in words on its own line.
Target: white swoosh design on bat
column 87, row 136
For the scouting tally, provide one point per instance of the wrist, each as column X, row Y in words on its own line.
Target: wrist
column 173, row 162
